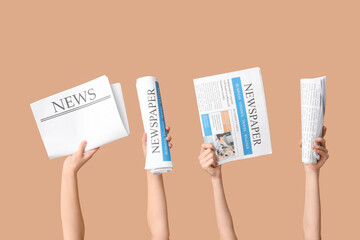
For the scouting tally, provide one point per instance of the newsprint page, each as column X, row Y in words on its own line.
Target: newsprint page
column 233, row 114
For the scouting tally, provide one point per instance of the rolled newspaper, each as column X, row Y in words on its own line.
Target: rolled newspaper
column 158, row 159
column 313, row 101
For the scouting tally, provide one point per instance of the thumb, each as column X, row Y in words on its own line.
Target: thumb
column 82, row 147
column 324, row 131
column 144, row 139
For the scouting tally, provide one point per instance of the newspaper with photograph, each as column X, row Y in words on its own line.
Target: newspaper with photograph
column 93, row 111
column 313, row 101
column 233, row 114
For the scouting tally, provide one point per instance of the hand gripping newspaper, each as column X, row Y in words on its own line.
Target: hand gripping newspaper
column 158, row 159
column 313, row 101
column 93, row 111
column 233, row 114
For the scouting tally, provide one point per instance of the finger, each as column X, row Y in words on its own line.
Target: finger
column 168, row 138
column 215, row 158
column 207, row 158
column 317, row 147
column 90, row 153
column 209, row 163
column 321, row 141
column 204, row 153
column 167, row 129
column 144, row 138
column 82, row 147
column 205, row 162
column 170, row 145
column 300, row 143
column 214, row 161
column 324, row 131
column 205, row 146
column 324, row 155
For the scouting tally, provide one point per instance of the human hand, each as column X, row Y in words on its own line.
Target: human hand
column 74, row 162
column 144, row 140
column 209, row 160
column 321, row 150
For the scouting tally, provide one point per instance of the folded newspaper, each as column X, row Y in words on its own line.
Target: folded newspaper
column 313, row 101
column 233, row 114
column 94, row 111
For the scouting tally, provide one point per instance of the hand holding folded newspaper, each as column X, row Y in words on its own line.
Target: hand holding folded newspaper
column 158, row 159
column 94, row 111
column 233, row 114
column 313, row 101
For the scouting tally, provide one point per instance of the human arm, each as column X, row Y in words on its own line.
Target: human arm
column 71, row 217
column 312, row 207
column 157, row 215
column 209, row 162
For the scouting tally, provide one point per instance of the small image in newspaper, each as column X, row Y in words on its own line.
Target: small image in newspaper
column 313, row 101
column 233, row 114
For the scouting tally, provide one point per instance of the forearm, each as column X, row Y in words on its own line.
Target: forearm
column 157, row 207
column 312, row 209
column 71, row 217
column 223, row 215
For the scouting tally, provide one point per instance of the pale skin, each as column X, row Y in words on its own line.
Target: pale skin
column 73, row 223
column 157, row 215
column 312, row 214
column 209, row 162
column 71, row 217
column 312, row 208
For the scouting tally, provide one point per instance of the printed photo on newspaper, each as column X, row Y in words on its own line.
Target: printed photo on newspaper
column 93, row 111
column 233, row 114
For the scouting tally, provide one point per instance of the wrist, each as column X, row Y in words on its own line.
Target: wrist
column 150, row 175
column 216, row 178
column 67, row 171
column 311, row 172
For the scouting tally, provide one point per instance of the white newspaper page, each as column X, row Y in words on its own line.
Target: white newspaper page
column 233, row 114
column 93, row 111
column 313, row 101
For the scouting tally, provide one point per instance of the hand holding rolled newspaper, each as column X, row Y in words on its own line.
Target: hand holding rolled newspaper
column 158, row 159
column 313, row 101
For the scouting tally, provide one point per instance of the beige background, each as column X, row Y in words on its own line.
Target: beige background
column 47, row 47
